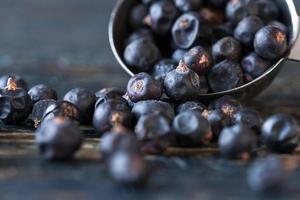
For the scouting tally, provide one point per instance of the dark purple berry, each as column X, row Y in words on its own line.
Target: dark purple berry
column 281, row 133
column 109, row 93
column 227, row 48
column 61, row 109
column 182, row 83
column 142, row 108
column 191, row 105
column 237, row 142
column 217, row 120
column 118, row 139
column 154, row 132
column 84, row 100
column 249, row 117
column 199, row 60
column 270, row 42
column 42, row 92
column 246, row 30
column 192, row 129
column 59, row 138
column 143, row 87
column 39, row 109
column 266, row 174
column 227, row 104
column 141, row 54
column 111, row 113
column 255, row 66
column 15, row 103
column 225, row 75
column 161, row 69
column 188, row 29
column 162, row 14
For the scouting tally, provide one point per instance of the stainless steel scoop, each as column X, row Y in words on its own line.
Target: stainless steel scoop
column 118, row 31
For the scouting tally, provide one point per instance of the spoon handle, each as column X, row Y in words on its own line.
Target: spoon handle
column 295, row 50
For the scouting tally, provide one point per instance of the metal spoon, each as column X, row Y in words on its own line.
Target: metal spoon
column 119, row 30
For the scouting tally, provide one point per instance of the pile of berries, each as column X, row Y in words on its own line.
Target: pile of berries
column 200, row 47
column 142, row 122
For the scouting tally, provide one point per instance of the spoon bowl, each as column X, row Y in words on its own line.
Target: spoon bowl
column 119, row 31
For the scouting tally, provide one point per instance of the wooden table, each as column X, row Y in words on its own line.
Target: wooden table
column 64, row 44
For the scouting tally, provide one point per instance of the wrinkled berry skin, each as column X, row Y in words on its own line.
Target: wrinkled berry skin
column 237, row 142
column 137, row 14
column 182, row 83
column 154, row 132
column 143, row 33
column 268, row 10
column 118, row 139
column 227, row 104
column 143, row 87
column 254, row 65
column 266, row 174
column 249, row 117
column 143, row 108
column 192, row 129
column 61, row 109
column 128, row 168
column 111, row 113
column 188, row 29
column 15, row 105
column 246, row 30
column 236, row 10
column 190, row 105
column 188, row 5
column 281, row 133
column 21, row 83
column 178, row 55
column 198, row 60
column 163, row 67
column 270, row 42
column 59, row 138
column 42, row 92
column 162, row 15
column 225, row 75
column 39, row 109
column 109, row 93
column 141, row 54
column 227, row 48
column 84, row 100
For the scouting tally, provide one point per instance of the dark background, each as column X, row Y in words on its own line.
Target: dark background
column 64, row 43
